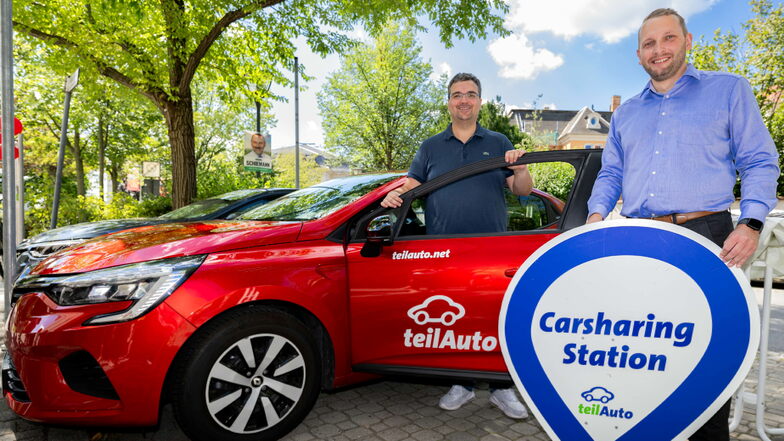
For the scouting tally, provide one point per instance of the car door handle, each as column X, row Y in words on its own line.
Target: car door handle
column 510, row 272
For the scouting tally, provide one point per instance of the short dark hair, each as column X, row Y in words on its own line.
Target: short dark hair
column 662, row 12
column 462, row 76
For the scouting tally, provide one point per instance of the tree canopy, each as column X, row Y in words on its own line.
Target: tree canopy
column 157, row 48
column 378, row 106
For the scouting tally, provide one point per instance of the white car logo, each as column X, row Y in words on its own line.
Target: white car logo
column 420, row 315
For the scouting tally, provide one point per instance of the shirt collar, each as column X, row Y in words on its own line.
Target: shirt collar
column 691, row 71
column 449, row 134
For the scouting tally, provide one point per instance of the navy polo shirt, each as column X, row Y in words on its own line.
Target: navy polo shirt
column 472, row 205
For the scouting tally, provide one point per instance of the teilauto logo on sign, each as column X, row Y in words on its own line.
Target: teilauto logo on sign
column 443, row 310
column 627, row 330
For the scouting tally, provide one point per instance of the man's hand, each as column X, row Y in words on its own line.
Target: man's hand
column 595, row 217
column 513, row 155
column 739, row 246
column 392, row 199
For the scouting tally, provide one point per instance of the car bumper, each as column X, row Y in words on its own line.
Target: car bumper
column 58, row 371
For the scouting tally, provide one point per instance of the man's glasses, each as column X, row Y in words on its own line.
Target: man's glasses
column 458, row 96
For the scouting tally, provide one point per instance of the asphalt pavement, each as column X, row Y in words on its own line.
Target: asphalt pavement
column 395, row 410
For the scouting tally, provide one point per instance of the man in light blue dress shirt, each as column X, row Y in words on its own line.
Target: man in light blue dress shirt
column 675, row 149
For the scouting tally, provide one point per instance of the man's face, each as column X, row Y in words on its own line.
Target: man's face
column 662, row 47
column 464, row 101
column 257, row 143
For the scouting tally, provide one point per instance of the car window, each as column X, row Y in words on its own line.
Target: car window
column 197, row 209
column 319, row 200
column 541, row 209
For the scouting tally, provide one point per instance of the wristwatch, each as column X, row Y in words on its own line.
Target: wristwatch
column 754, row 224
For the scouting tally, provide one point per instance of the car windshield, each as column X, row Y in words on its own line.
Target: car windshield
column 208, row 206
column 319, row 200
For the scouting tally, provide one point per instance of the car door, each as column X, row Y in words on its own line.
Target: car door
column 430, row 304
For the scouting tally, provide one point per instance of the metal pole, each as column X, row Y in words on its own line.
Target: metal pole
column 258, row 128
column 7, row 80
column 58, row 180
column 70, row 84
column 296, row 122
column 20, row 191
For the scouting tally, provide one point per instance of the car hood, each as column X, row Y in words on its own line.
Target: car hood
column 87, row 230
column 168, row 240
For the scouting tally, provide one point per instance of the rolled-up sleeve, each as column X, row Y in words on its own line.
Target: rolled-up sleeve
column 755, row 154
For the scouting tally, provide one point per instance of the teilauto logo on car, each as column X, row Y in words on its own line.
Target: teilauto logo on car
column 443, row 310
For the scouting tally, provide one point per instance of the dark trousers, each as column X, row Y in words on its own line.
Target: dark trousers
column 715, row 227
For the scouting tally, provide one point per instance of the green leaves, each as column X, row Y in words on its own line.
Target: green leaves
column 381, row 104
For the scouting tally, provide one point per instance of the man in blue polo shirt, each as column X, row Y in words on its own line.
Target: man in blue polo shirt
column 463, row 142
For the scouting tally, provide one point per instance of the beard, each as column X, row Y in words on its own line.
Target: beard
column 678, row 60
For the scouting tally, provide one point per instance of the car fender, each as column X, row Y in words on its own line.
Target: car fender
column 309, row 275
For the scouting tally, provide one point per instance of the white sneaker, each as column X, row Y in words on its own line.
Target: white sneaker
column 456, row 397
column 506, row 400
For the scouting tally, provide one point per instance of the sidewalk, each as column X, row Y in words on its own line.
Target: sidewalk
column 403, row 411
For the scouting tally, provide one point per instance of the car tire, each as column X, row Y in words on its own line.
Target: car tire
column 251, row 374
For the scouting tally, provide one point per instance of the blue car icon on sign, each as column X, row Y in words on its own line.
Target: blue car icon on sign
column 597, row 393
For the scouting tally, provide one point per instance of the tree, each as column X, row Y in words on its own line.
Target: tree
column 493, row 116
column 758, row 55
column 379, row 104
column 156, row 48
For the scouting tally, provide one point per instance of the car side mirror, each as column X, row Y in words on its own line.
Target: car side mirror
column 379, row 233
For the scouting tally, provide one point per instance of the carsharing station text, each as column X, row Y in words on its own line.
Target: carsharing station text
column 616, row 357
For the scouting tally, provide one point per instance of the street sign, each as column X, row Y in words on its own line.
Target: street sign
column 628, row 330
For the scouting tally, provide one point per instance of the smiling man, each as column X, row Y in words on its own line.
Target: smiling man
column 463, row 142
column 675, row 150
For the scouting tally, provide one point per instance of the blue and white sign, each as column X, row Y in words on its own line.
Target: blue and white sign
column 628, row 330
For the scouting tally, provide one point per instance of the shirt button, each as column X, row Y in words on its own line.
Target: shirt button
column 652, row 195
column 660, row 132
column 664, row 113
column 666, row 96
column 657, row 152
column 653, row 172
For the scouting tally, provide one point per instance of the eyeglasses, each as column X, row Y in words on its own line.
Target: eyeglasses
column 458, row 96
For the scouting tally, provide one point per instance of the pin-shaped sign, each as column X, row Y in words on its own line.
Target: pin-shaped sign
column 627, row 330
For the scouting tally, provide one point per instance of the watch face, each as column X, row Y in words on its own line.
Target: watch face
column 754, row 224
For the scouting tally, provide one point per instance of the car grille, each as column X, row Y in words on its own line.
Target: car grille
column 11, row 382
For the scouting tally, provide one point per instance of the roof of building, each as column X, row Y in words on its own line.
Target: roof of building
column 586, row 121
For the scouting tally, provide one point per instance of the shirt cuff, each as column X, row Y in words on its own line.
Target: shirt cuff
column 598, row 209
column 754, row 210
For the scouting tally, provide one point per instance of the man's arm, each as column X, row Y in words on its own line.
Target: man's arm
column 520, row 183
column 393, row 200
column 607, row 187
column 757, row 163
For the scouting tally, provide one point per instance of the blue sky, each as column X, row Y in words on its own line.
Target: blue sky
column 574, row 53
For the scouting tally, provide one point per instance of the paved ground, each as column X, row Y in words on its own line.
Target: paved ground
column 398, row 411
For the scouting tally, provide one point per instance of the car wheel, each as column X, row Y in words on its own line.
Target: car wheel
column 449, row 318
column 420, row 318
column 252, row 374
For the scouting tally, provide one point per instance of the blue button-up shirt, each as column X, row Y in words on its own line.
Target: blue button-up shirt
column 679, row 151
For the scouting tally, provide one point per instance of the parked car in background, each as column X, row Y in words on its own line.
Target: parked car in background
column 240, row 324
column 225, row 206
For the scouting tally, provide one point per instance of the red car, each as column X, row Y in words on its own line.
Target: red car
column 241, row 323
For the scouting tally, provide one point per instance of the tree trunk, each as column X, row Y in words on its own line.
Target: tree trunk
column 76, row 149
column 101, row 157
column 179, row 122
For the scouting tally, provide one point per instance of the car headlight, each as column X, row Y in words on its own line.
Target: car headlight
column 146, row 284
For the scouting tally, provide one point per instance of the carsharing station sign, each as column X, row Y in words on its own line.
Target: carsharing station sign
column 628, row 330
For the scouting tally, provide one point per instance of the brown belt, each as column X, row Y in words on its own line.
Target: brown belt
column 682, row 218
